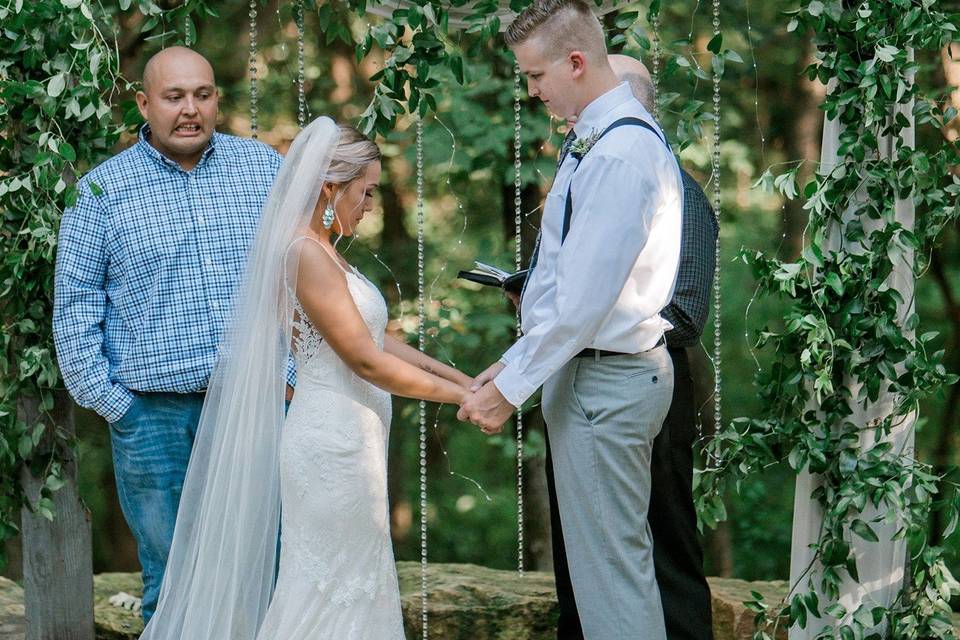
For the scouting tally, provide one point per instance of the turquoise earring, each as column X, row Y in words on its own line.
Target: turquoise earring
column 328, row 217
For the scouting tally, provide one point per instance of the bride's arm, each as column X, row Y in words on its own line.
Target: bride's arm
column 323, row 294
column 431, row 365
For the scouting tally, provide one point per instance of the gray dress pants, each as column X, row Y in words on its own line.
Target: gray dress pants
column 602, row 415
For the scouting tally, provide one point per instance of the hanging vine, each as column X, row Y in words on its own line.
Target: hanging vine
column 59, row 80
column 846, row 341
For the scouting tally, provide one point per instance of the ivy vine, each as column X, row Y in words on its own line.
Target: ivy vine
column 60, row 85
column 59, row 79
column 846, row 342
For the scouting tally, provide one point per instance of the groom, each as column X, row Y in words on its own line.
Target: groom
column 593, row 335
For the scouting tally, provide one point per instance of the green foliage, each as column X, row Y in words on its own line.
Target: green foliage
column 848, row 339
column 59, row 73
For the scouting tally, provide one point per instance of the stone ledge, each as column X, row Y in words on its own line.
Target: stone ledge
column 466, row 602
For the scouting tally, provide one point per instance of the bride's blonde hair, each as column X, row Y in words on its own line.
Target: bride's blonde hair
column 354, row 153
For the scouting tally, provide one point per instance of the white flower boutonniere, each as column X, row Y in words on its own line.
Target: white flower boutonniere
column 581, row 146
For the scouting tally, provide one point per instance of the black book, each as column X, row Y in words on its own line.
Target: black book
column 492, row 277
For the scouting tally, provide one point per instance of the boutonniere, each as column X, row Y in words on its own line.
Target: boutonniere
column 580, row 146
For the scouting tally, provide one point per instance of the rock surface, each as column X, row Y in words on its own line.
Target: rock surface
column 466, row 602
column 12, row 624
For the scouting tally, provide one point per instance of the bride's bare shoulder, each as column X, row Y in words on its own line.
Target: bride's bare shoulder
column 314, row 263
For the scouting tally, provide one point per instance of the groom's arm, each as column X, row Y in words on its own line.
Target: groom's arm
column 614, row 202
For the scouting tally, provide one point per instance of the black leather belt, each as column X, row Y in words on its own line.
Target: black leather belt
column 600, row 353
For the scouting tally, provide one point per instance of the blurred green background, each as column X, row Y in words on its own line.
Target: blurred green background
column 769, row 116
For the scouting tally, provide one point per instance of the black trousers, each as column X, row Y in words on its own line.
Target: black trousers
column 677, row 554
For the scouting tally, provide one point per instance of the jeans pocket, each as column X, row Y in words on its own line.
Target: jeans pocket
column 128, row 421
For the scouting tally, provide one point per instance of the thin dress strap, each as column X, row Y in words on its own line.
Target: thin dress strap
column 321, row 245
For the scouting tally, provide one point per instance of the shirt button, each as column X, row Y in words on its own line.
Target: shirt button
column 209, row 262
column 199, row 219
column 215, row 304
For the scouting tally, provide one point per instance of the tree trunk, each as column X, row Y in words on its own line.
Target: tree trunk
column 950, row 56
column 538, row 554
column 944, row 452
column 803, row 144
column 396, row 246
column 57, row 555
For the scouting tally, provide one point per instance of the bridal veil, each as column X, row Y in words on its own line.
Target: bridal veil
column 220, row 570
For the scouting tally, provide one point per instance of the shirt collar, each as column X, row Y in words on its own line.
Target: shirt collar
column 154, row 154
column 594, row 114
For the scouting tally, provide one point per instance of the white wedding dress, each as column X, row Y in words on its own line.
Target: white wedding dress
column 337, row 577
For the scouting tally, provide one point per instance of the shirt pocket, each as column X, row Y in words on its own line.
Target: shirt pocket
column 145, row 235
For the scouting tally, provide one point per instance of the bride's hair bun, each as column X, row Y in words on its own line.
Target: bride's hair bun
column 353, row 155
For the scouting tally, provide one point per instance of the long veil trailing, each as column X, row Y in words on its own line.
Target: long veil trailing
column 220, row 570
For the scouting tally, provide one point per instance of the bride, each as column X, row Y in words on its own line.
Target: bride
column 325, row 460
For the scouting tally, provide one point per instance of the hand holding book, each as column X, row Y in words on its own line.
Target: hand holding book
column 493, row 277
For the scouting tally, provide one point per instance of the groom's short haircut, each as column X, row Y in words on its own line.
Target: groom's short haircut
column 562, row 26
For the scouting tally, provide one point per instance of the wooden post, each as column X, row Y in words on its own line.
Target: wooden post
column 57, row 555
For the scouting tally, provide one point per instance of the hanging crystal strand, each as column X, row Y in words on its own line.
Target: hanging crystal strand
column 422, row 314
column 301, row 96
column 518, row 260
column 186, row 24
column 717, row 415
column 252, row 66
column 655, row 23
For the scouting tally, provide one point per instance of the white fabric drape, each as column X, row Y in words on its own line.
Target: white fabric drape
column 221, row 566
column 881, row 565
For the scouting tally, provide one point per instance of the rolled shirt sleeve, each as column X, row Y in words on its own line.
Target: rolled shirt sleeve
column 615, row 203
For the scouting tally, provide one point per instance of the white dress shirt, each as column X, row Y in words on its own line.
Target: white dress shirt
column 605, row 286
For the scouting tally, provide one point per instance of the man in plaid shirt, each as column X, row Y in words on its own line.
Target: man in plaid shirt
column 147, row 264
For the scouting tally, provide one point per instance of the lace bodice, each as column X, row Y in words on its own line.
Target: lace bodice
column 315, row 359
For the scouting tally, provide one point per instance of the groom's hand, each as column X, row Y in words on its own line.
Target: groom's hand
column 485, row 377
column 487, row 408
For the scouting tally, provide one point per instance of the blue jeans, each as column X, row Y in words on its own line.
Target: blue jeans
column 151, row 449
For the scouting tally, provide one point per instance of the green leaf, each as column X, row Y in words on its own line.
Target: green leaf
column 456, row 65
column 798, row 612
column 732, row 56
column 56, row 85
column 715, row 44
column 833, row 281
column 54, row 483
column 67, row 152
column 863, row 530
column 626, row 19
column 886, row 53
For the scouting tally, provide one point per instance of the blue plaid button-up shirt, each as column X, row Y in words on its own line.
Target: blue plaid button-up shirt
column 148, row 261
